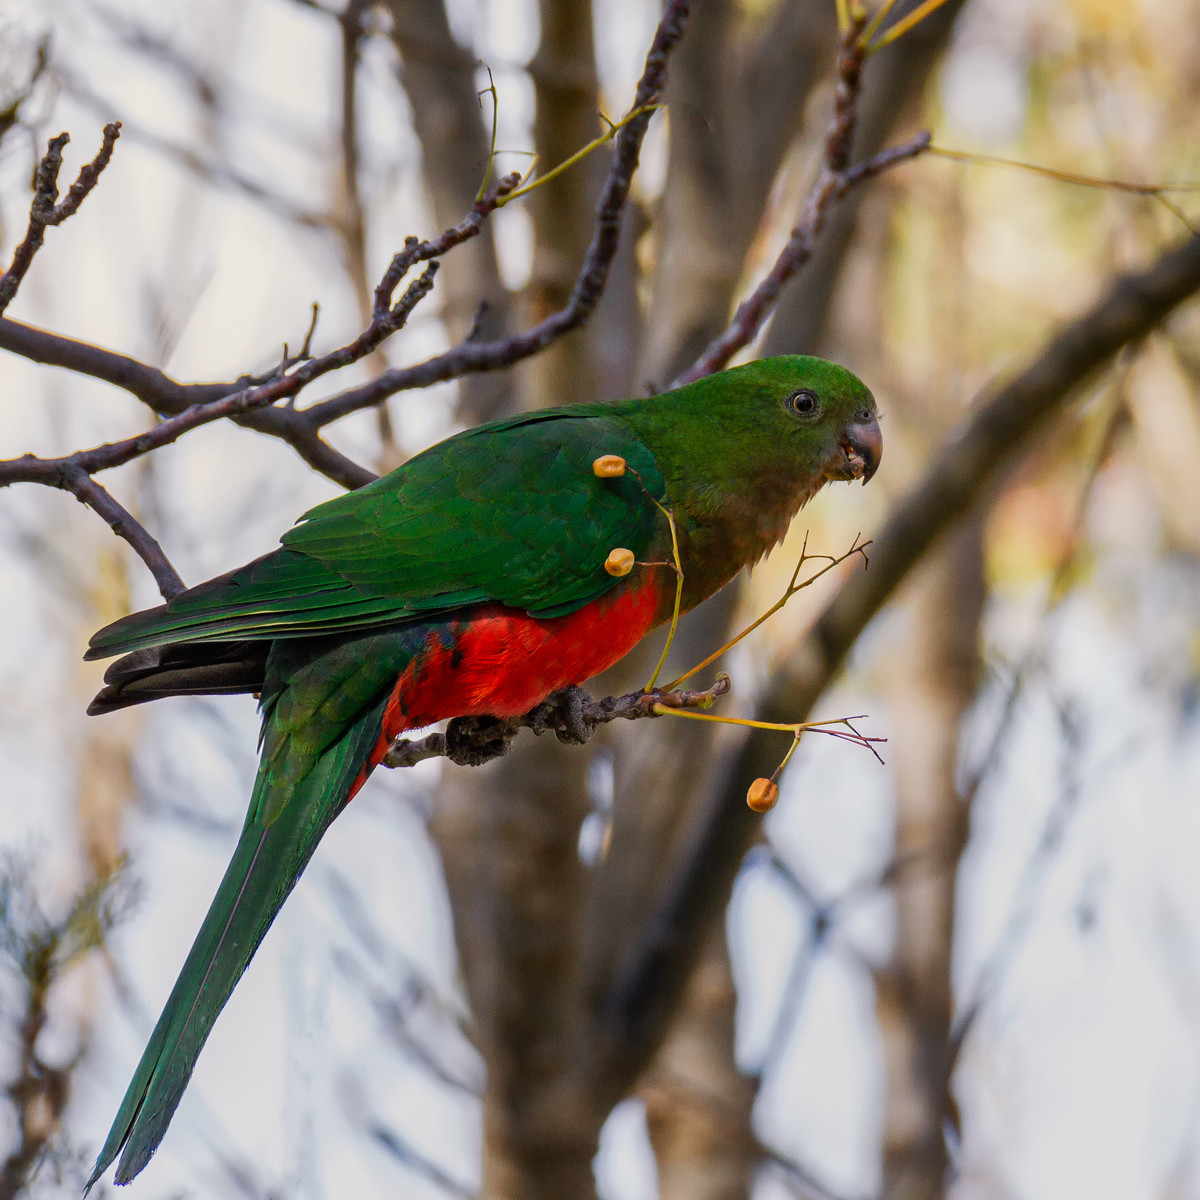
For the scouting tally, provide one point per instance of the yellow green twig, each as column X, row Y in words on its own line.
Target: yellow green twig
column 796, row 730
column 902, row 26
column 792, row 588
column 678, row 565
column 1092, row 181
column 491, row 87
column 607, row 136
column 1156, row 191
column 874, row 23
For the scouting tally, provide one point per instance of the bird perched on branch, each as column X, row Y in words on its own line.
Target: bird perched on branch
column 501, row 565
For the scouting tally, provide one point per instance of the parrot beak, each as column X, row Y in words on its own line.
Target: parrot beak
column 862, row 448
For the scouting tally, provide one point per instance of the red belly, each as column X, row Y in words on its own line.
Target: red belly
column 501, row 662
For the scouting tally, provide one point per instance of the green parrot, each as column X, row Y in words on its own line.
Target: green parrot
column 497, row 567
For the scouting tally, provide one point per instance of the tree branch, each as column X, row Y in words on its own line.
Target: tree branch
column 698, row 888
column 43, row 211
column 473, row 356
column 571, row 713
column 31, row 469
column 835, row 179
column 167, row 397
column 123, row 523
column 249, row 402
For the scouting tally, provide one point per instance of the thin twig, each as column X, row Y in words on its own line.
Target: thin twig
column 167, row 397
column 43, row 211
column 1060, row 176
column 580, row 154
column 470, row 357
column 31, row 469
column 831, row 186
column 899, row 28
column 792, row 588
column 677, row 565
column 123, row 523
column 256, row 404
column 835, row 178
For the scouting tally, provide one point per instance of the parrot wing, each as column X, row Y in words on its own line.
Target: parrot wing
column 510, row 512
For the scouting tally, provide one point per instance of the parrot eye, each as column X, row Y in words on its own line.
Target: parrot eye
column 803, row 404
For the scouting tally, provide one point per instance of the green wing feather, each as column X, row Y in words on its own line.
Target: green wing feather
column 510, row 512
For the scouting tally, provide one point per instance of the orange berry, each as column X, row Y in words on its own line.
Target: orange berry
column 762, row 795
column 609, row 466
column 619, row 562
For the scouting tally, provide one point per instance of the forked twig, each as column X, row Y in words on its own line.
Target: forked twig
column 792, row 588
column 44, row 212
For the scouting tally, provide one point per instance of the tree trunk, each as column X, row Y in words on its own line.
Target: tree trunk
column 933, row 679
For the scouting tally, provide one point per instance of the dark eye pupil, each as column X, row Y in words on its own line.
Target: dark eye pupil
column 804, row 402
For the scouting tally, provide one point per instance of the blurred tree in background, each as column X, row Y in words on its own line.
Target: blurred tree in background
column 490, row 979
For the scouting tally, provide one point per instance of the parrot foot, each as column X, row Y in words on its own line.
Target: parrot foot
column 473, row 741
column 565, row 711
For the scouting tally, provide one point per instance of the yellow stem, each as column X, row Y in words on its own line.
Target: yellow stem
column 843, row 15
column 607, row 136
column 878, row 19
column 1092, row 181
column 491, row 87
column 792, row 589
column 662, row 658
column 1176, row 211
column 663, row 710
column 903, row 25
column 786, row 758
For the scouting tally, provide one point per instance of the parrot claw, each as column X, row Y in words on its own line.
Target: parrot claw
column 473, row 741
column 564, row 712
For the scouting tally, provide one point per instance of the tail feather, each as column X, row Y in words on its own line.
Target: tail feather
column 182, row 669
column 266, row 863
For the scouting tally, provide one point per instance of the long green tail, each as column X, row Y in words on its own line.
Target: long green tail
column 323, row 720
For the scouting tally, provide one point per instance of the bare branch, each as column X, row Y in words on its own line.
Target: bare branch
column 698, row 887
column 31, row 469
column 835, row 179
column 44, row 211
column 123, row 523
column 473, row 356
column 167, row 397
column 255, row 401
column 571, row 713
